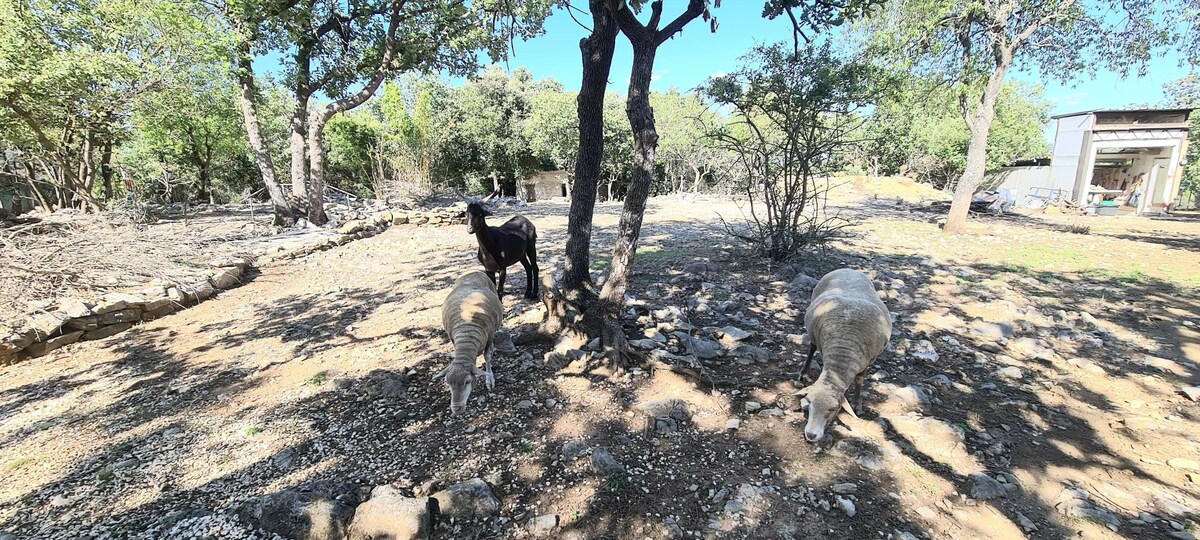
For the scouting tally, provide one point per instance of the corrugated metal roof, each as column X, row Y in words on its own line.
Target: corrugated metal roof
column 1094, row 111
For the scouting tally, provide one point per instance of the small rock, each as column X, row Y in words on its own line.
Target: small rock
column 1009, row 372
column 542, row 524
column 1183, row 463
column 1026, row 524
column 389, row 514
column 847, row 506
column 844, row 488
column 926, row 512
column 733, row 423
column 924, row 350
column 60, row 501
column 1192, row 392
column 676, row 409
column 574, row 449
column 984, row 487
column 525, row 404
column 752, row 406
column 803, row 282
column 468, row 499
column 603, row 463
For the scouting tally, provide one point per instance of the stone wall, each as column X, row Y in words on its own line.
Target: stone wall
column 55, row 323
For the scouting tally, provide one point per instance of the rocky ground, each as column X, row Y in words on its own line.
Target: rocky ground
column 1036, row 386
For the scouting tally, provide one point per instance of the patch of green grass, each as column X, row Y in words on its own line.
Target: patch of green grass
column 105, row 474
column 615, row 483
column 525, row 447
column 253, row 430
column 316, row 380
column 719, row 295
column 14, row 464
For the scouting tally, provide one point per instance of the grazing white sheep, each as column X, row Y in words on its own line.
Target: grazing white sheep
column 848, row 322
column 470, row 315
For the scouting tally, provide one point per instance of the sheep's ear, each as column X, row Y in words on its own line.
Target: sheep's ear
column 846, row 407
column 441, row 374
column 803, row 391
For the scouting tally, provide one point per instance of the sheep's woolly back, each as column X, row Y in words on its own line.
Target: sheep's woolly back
column 848, row 323
column 470, row 314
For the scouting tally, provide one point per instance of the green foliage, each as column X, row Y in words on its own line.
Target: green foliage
column 918, row 131
column 1185, row 92
column 71, row 74
column 793, row 120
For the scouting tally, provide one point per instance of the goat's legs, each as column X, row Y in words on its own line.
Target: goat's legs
column 500, row 283
column 528, row 278
column 812, row 349
column 531, row 254
column 488, row 351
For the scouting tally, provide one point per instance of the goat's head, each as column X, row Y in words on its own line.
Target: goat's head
column 476, row 213
column 461, row 379
column 824, row 404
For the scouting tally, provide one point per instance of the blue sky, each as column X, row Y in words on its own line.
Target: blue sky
column 687, row 60
column 692, row 56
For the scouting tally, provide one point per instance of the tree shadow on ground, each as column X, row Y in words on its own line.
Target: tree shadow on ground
column 350, row 428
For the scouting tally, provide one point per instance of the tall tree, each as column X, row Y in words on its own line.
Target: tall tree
column 645, row 39
column 597, row 52
column 975, row 44
column 245, row 21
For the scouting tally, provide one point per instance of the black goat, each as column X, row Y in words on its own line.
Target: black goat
column 501, row 247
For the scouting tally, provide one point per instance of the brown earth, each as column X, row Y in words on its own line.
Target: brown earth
column 285, row 380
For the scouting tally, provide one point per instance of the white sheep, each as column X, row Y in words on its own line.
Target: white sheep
column 470, row 315
column 848, row 322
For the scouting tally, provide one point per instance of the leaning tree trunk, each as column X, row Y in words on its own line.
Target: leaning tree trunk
column 106, row 172
column 248, row 100
column 297, row 140
column 597, row 51
column 980, row 124
column 645, row 147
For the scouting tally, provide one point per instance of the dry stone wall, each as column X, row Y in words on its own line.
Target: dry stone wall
column 56, row 323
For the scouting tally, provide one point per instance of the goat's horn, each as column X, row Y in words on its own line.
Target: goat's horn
column 461, row 196
column 492, row 196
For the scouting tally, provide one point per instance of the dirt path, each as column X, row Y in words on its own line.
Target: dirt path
column 1018, row 400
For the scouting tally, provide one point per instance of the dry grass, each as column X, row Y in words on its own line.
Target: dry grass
column 83, row 255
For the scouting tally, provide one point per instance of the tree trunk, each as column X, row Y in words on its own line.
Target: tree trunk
column 297, row 140
column 106, row 172
column 699, row 178
column 597, row 52
column 645, row 146
column 316, row 169
column 980, row 123
column 297, row 137
column 319, row 118
column 248, row 100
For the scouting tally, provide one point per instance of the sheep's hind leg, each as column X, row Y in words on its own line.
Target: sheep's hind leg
column 812, row 349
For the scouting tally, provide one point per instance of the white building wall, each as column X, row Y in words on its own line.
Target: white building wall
column 1071, row 142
